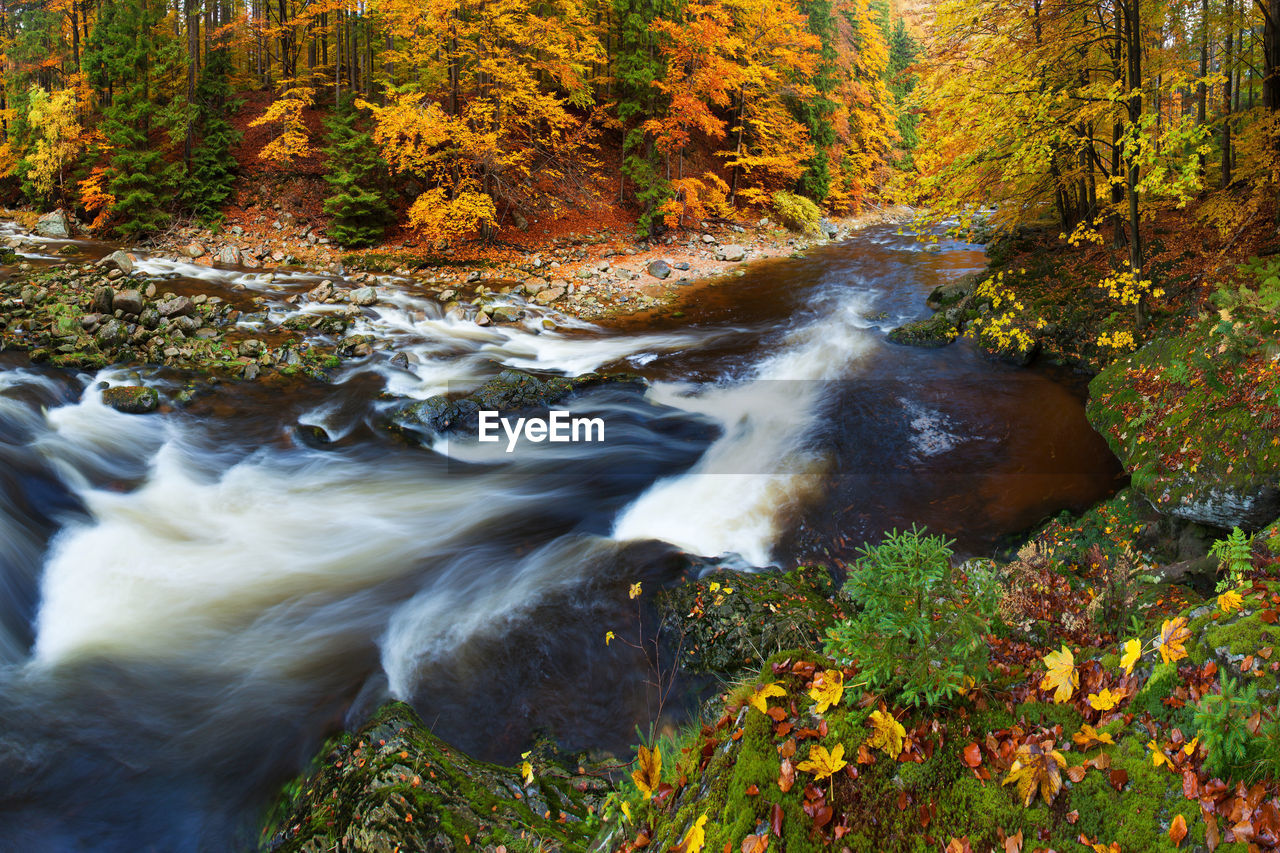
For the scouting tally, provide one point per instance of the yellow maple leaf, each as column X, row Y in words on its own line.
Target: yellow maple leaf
column 1173, row 634
column 526, row 773
column 1190, row 748
column 1230, row 600
column 649, row 774
column 1088, row 737
column 827, row 690
column 886, row 733
column 760, row 698
column 822, row 763
column 1157, row 755
column 1062, row 677
column 634, row 592
column 1132, row 651
column 1105, row 699
column 696, row 837
column 626, row 810
column 1037, row 769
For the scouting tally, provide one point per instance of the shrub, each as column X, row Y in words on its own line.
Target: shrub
column 1237, row 751
column 796, row 212
column 922, row 631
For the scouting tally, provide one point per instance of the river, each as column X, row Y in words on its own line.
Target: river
column 191, row 600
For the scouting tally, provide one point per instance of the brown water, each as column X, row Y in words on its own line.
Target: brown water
column 189, row 601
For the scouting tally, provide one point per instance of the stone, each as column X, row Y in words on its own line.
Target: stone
column 400, row 360
column 708, row 239
column 252, row 347
column 683, row 266
column 120, row 260
column 150, row 317
column 505, row 313
column 131, row 399
column 548, row 295
column 482, row 319
column 363, row 296
column 54, row 225
column 229, row 256
column 103, row 296
column 194, row 250
column 733, row 252
column 934, row 331
column 178, row 306
column 128, row 301
column 659, row 269
column 829, row 229
column 953, row 292
column 89, row 321
column 111, row 334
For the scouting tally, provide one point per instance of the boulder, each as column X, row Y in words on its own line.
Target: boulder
column 953, row 292
column 363, row 296
column 55, row 225
column 935, row 331
column 829, row 229
column 128, row 301
column 131, row 399
column 111, row 334
column 178, row 306
column 504, row 313
column 659, row 269
column 548, row 295
column 732, row 252
column 120, row 260
column 229, row 256
column 103, row 297
column 194, row 250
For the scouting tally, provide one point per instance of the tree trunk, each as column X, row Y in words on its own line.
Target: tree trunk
column 193, row 61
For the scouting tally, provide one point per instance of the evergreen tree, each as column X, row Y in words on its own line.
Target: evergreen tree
column 357, row 175
column 118, row 60
column 903, row 52
column 213, row 169
column 816, row 112
column 637, row 64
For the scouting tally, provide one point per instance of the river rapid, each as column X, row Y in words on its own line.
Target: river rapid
column 191, row 600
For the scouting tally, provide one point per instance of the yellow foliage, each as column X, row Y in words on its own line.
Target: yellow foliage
column 696, row 838
column 1037, row 767
column 887, row 733
column 760, row 698
column 59, row 138
column 1230, row 601
column 827, row 690
column 443, row 218
column 1173, row 634
column 1088, row 737
column 1062, row 677
column 294, row 140
column 648, row 775
column 1104, row 700
column 1132, row 652
column 822, row 763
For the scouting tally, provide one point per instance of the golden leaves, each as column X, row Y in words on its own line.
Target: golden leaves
column 1178, row 830
column 1037, row 768
column 1173, row 634
column 1062, row 677
column 649, row 774
column 887, row 733
column 294, row 139
column 695, row 839
column 760, row 698
column 1088, row 737
column 441, row 217
column 1105, row 699
column 609, row 637
column 827, row 690
column 634, row 591
column 1132, row 652
column 822, row 763
column 1230, row 601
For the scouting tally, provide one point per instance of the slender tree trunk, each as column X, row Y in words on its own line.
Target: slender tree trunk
column 193, row 62
column 1227, row 92
column 1202, row 89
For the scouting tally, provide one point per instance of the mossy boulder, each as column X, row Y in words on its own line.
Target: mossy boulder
column 393, row 785
column 131, row 399
column 935, row 331
column 729, row 622
column 1191, row 432
column 952, row 293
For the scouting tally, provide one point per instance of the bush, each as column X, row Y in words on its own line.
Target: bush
column 922, row 631
column 796, row 212
column 1235, row 752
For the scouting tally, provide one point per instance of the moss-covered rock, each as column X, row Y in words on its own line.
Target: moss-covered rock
column 131, row 399
column 935, row 331
column 730, row 622
column 1201, row 441
column 393, row 786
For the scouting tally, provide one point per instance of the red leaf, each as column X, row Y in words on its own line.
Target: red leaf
column 972, row 755
column 787, row 776
column 1269, row 616
column 1119, row 778
column 776, row 821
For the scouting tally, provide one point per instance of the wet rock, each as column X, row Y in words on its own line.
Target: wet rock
column 322, row 292
column 229, row 256
column 128, row 301
column 120, row 260
column 111, row 334
column 483, row 319
column 658, row 269
column 549, row 294
column 252, row 348
column 505, row 314
column 131, row 399
column 178, row 306
column 363, row 296
column 400, row 360
column 829, row 229
column 54, row 225
column 935, row 331
column 953, row 292
column 89, row 321
column 733, row 252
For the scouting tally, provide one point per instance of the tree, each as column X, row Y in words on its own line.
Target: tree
column 59, row 140
column 212, row 169
column 357, row 176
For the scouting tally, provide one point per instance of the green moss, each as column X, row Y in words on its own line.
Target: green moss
column 1158, row 687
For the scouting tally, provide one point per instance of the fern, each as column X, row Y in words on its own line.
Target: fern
column 1235, row 558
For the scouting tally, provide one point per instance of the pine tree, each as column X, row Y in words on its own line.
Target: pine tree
column 357, row 175
column 903, row 52
column 637, row 66
column 213, row 169
column 118, row 60
column 816, row 111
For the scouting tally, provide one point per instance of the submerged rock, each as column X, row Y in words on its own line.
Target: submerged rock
column 393, row 785
column 131, row 399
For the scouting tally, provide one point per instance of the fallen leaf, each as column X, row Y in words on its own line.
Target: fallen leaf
column 1073, row 816
column 827, row 690
column 775, row 820
column 760, row 698
column 1104, row 700
column 1119, row 778
column 1173, row 634
column 972, row 755
column 822, row 763
column 786, row 776
column 1076, row 774
column 695, row 838
column 1013, row 844
column 959, row 845
column 1269, row 616
column 1132, row 652
column 1062, row 677
column 1230, row 601
column 755, row 844
column 1178, row 830
column 1037, row 769
column 887, row 733
column 1088, row 737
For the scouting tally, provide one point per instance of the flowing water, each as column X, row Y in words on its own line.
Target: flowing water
column 190, row 600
